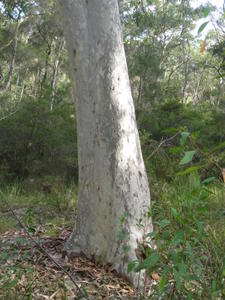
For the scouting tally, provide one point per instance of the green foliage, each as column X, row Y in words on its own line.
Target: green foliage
column 188, row 251
column 188, row 157
column 36, row 206
column 188, row 237
column 38, row 142
column 182, row 134
column 202, row 27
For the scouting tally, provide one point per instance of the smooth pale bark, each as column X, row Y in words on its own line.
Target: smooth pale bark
column 113, row 186
column 12, row 64
column 23, row 85
column 47, row 57
column 16, row 87
column 36, row 82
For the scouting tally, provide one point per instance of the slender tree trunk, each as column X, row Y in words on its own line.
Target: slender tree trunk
column 16, row 87
column 48, row 53
column 186, row 72
column 23, row 85
column 36, row 82
column 55, row 73
column 113, row 186
column 12, row 65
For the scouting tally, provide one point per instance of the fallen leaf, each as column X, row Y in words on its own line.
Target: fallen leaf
column 155, row 276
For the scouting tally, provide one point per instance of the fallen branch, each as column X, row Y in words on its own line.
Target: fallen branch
column 39, row 246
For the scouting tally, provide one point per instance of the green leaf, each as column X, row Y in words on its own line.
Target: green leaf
column 174, row 256
column 200, row 227
column 149, row 263
column 188, row 157
column 164, row 223
column 190, row 170
column 206, row 11
column 203, row 195
column 12, row 283
column 31, row 229
column 184, row 136
column 194, row 180
column 209, row 191
column 4, row 255
column 131, row 266
column 208, row 180
column 223, row 273
column 202, row 27
column 174, row 213
column 189, row 296
column 162, row 283
column 177, row 278
column 214, row 286
column 179, row 237
column 174, row 150
column 166, row 235
column 171, row 130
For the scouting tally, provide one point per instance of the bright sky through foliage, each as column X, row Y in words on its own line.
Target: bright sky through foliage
column 218, row 3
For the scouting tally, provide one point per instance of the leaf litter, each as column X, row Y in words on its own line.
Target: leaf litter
column 26, row 273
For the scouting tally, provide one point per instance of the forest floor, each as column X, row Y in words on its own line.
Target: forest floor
column 27, row 273
column 189, row 227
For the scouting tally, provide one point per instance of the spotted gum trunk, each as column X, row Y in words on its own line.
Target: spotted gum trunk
column 113, row 186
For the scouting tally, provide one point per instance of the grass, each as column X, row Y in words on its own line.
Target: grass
column 7, row 223
column 189, row 231
column 45, row 214
column 38, row 207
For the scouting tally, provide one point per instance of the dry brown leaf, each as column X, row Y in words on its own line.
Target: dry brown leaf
column 203, row 46
column 155, row 276
column 89, row 274
column 59, row 295
column 22, row 280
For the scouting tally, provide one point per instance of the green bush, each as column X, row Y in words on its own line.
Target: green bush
column 35, row 142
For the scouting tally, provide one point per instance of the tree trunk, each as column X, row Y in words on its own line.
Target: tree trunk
column 113, row 186
column 48, row 53
column 23, row 85
column 16, row 87
column 36, row 82
column 12, row 65
column 55, row 73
